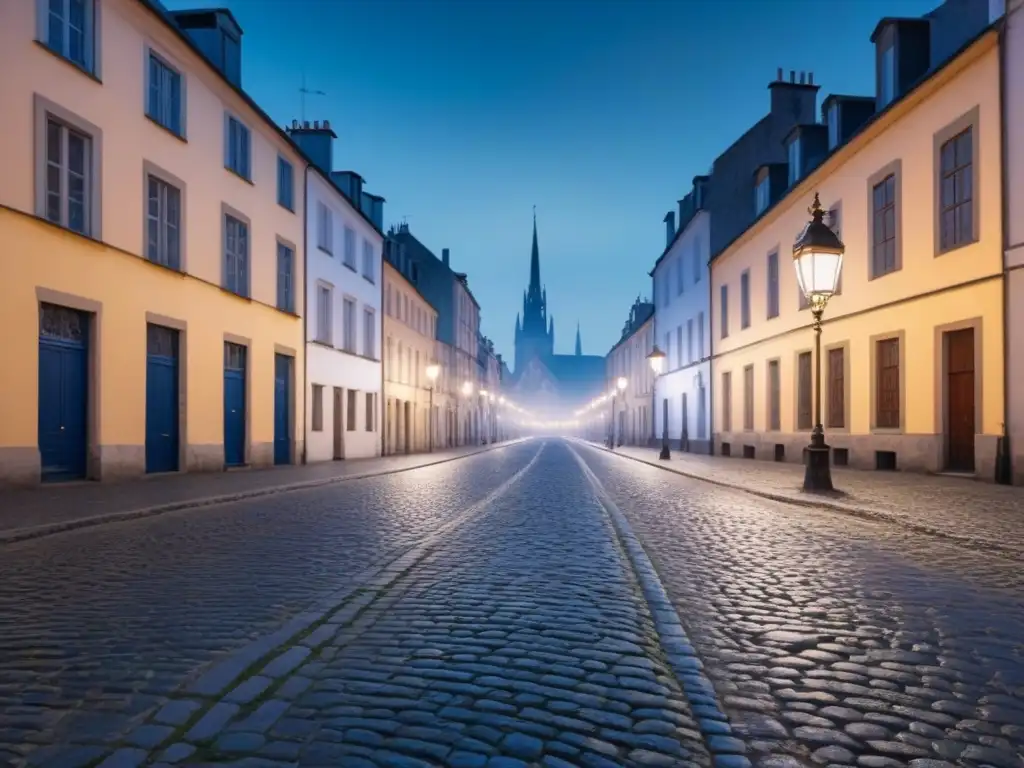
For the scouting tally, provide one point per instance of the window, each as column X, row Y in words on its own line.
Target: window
column 351, row 421
column 761, row 196
column 318, row 408
column 887, row 76
column 668, row 347
column 670, row 270
column 369, row 333
column 371, row 412
column 236, row 255
column 285, row 184
column 69, row 29
column 803, row 391
column 679, row 346
column 350, row 248
column 836, row 389
column 163, row 222
column 417, row 369
column 698, row 263
column 324, row 228
column 237, row 150
column 368, row 268
column 689, row 340
column 285, row 278
column 389, row 307
column 833, row 125
column 883, row 252
column 956, row 206
column 727, row 402
column 324, row 313
column 725, row 311
column 773, row 284
column 745, row 299
column 69, row 188
column 774, row 397
column 349, row 318
column 163, row 96
column 887, row 394
column 748, row 398
column 700, row 335
column 681, row 273
column 793, row 152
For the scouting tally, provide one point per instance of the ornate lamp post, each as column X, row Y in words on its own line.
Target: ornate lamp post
column 657, row 361
column 433, row 371
column 620, row 386
column 818, row 258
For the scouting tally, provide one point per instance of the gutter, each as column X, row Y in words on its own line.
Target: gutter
column 305, row 313
column 1004, row 460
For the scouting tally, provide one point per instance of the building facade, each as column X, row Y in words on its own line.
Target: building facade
column 344, row 375
column 681, row 329
column 912, row 368
column 412, row 408
column 152, row 225
column 632, row 407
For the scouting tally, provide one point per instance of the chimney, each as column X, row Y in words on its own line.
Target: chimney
column 445, row 257
column 316, row 142
column 217, row 34
column 794, row 101
column 670, row 227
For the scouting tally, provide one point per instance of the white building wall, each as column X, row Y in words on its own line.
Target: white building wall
column 329, row 364
column 681, row 296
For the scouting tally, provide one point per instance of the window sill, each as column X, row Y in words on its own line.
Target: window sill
column 230, row 292
column 349, row 266
column 180, row 137
column 370, row 280
column 880, row 275
column 289, row 208
column 233, row 172
column 957, row 247
column 325, row 250
column 887, row 430
column 322, row 343
column 61, row 57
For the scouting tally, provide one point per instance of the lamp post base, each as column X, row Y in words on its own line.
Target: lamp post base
column 665, row 454
column 817, row 470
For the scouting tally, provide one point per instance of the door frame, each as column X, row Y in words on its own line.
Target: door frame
column 289, row 406
column 942, row 383
column 181, row 326
column 337, row 423
column 242, row 341
column 94, row 337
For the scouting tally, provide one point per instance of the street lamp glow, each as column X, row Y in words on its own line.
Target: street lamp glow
column 818, row 258
column 622, row 383
column 483, row 393
column 467, row 388
column 501, row 400
column 433, row 371
column 491, row 395
column 657, row 360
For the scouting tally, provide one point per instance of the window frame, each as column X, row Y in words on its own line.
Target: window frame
column 772, row 284
column 762, row 192
column 832, row 423
column 152, row 54
column 244, row 173
column 324, row 314
column 285, row 170
column 152, row 173
column 726, row 401
column 748, row 397
column 832, row 120
column 351, row 408
column 799, row 409
column 773, row 385
column 369, row 332
column 371, row 411
column 324, row 228
column 349, row 335
column 316, row 416
column 724, row 310
column 91, row 35
column 887, row 86
column 894, row 169
column 289, row 304
column 229, row 213
column 745, row 299
column 793, row 163
column 369, row 257
column 876, row 371
column 349, row 239
column 970, row 120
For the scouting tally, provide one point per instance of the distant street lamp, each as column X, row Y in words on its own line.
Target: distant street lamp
column 657, row 361
column 818, row 258
column 433, row 371
column 620, row 386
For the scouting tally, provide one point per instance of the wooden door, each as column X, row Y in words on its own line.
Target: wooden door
column 960, row 426
column 339, row 434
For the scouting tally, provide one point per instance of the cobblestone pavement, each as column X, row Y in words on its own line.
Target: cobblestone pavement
column 97, row 624
column 831, row 639
column 982, row 515
column 54, row 505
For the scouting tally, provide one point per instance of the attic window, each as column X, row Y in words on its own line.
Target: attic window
column 761, row 193
column 833, row 125
column 887, row 76
column 794, row 161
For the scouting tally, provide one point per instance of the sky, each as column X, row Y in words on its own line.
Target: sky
column 464, row 114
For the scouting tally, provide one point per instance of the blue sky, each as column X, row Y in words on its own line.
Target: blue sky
column 466, row 113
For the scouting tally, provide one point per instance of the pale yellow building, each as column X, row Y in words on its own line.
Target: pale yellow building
column 631, row 409
column 151, row 221
column 410, row 326
column 912, row 368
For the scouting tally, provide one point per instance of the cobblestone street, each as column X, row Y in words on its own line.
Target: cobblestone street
column 501, row 610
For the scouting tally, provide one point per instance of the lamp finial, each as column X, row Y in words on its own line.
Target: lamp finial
column 816, row 211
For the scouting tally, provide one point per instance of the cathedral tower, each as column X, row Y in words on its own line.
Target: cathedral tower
column 535, row 332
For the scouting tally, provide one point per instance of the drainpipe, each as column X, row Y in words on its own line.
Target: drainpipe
column 380, row 340
column 305, row 309
column 1004, row 461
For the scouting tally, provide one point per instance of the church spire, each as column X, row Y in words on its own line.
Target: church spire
column 534, row 290
column 579, row 342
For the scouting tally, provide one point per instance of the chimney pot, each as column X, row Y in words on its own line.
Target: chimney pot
column 327, row 125
column 792, row 76
column 316, row 125
column 305, row 124
column 778, row 76
column 295, row 124
column 810, row 78
column 803, row 77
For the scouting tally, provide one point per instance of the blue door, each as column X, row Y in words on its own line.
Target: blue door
column 282, row 409
column 161, row 399
column 63, row 392
column 234, row 404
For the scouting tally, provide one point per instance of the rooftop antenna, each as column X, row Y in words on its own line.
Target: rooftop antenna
column 303, row 92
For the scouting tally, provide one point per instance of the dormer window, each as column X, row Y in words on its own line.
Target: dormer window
column 794, row 161
column 762, row 194
column 833, row 125
column 887, row 76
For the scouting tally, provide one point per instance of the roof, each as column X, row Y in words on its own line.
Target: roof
column 409, row 283
column 167, row 18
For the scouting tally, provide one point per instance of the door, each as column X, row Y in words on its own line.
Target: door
column 282, row 409
column 339, row 435
column 960, row 400
column 686, row 420
column 234, row 404
column 162, row 390
column 63, row 392
column 407, row 427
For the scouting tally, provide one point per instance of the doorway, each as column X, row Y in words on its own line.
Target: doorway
column 162, row 387
column 63, row 392
column 960, row 400
column 339, row 434
column 235, row 363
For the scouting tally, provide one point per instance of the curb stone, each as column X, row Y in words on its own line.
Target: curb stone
column 714, row 725
column 48, row 529
column 865, row 513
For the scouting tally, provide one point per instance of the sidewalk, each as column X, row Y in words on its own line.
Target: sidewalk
column 978, row 514
column 32, row 512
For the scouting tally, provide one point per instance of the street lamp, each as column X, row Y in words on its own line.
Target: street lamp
column 657, row 361
column 620, row 386
column 818, row 258
column 433, row 371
